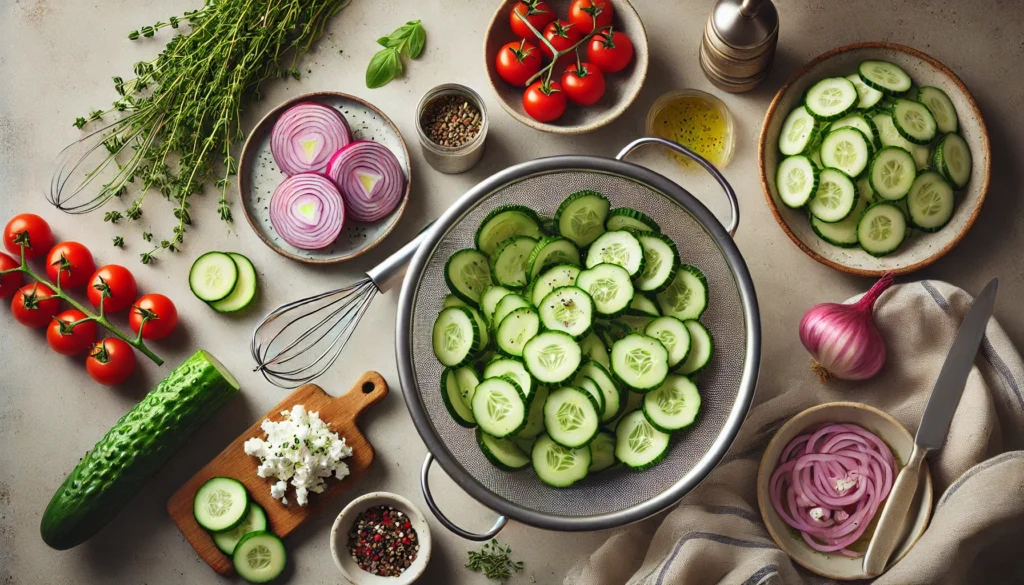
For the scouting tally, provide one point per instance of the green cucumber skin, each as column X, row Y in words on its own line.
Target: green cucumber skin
column 133, row 451
column 494, row 459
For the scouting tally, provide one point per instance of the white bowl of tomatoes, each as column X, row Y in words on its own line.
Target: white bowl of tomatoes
column 602, row 58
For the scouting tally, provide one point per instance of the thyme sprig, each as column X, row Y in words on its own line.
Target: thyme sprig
column 494, row 561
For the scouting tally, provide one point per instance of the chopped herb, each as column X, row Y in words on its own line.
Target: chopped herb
column 494, row 561
column 118, row 242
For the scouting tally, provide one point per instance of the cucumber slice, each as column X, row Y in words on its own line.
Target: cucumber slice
column 638, row 444
column 798, row 132
column 620, row 248
column 864, row 190
column 489, row 301
column 467, row 380
column 626, row 218
column 846, row 149
column 550, row 251
column 610, row 288
column 835, row 198
column 503, row 453
column 509, row 262
column 639, row 362
column 535, row 417
column 673, row 334
column 815, row 157
column 245, row 289
column 213, row 276
column 868, row 96
column 499, row 367
column 505, row 307
column 450, row 300
column 635, row 323
column 581, row 216
column 882, row 228
column 260, row 557
column 456, row 336
column 885, row 77
column 602, row 452
column 518, row 327
column 552, row 357
column 796, row 180
column 952, row 158
column 452, row 396
column 844, row 233
column 499, row 407
column 941, row 108
column 571, row 417
column 612, row 399
column 914, row 121
column 590, row 387
column 687, row 296
column 484, row 343
column 892, row 173
column 702, row 346
column 467, row 275
column 831, row 99
column 554, row 277
column 255, row 521
column 504, row 222
column 557, row 466
column 673, row 406
column 642, row 306
column 661, row 261
column 930, row 202
column 593, row 348
column 569, row 309
column 220, row 504
column 860, row 122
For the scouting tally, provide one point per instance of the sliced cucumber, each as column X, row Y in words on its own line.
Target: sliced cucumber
column 952, row 158
column 885, row 77
column 503, row 453
column 610, row 288
column 892, row 173
column 450, row 300
column 882, row 228
column 796, row 180
column 467, row 380
column 569, row 309
column 941, row 108
column 914, row 121
column 797, row 132
column 581, row 216
column 638, row 444
column 930, row 202
column 260, row 557
column 456, row 336
column 213, row 276
column 552, row 357
column 256, row 521
column 602, row 452
column 550, row 251
column 661, row 261
column 864, row 191
column 452, row 396
column 674, row 405
column 593, row 348
column 846, row 149
column 620, row 248
column 504, row 222
column 860, row 122
column 612, row 398
column 639, row 362
column 554, row 277
column 673, row 334
column 590, row 387
column 499, row 367
column 831, row 98
column 557, row 466
column 484, row 343
column 489, row 301
column 535, row 417
column 642, row 306
column 499, row 407
column 518, row 327
column 571, row 416
column 509, row 262
column 835, row 198
column 245, row 289
column 869, row 96
column 505, row 307
column 221, row 504
column 636, row 323
column 467, row 275
column 844, row 233
column 702, row 346
column 687, row 296
column 626, row 218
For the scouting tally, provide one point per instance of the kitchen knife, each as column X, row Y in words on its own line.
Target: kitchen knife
column 933, row 429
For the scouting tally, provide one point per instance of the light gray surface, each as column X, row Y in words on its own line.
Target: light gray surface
column 56, row 60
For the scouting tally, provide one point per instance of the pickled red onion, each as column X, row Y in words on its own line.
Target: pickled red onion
column 307, row 211
column 305, row 137
column 370, row 179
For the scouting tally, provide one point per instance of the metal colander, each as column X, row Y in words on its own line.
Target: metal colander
column 618, row 496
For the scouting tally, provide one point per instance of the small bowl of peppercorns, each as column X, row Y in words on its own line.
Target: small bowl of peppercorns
column 381, row 538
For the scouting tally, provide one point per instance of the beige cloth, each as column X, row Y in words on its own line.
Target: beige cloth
column 976, row 535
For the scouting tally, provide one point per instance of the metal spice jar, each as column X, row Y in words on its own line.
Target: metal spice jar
column 451, row 122
column 383, row 542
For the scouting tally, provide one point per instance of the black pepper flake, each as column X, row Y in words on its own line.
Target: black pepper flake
column 383, row 542
column 451, row 120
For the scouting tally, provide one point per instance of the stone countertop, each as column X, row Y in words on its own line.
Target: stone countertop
column 56, row 61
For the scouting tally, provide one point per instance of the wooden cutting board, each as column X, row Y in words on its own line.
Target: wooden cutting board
column 340, row 413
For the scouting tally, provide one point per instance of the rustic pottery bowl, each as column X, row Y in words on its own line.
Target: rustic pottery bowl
column 339, row 540
column 622, row 87
column 919, row 249
column 836, row 566
column 259, row 176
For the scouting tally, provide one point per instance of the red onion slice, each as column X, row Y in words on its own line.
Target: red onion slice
column 307, row 211
column 305, row 137
column 370, row 179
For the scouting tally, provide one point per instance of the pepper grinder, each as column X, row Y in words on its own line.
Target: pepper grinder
column 739, row 43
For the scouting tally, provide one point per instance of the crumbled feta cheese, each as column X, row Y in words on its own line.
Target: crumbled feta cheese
column 845, row 483
column 300, row 449
column 816, row 513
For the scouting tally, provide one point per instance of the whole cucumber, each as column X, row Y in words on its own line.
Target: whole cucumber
column 135, row 449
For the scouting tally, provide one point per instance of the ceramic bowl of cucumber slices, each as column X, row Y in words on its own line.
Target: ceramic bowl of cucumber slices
column 874, row 158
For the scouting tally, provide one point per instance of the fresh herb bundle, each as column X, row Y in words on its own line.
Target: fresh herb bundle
column 494, row 561
column 180, row 116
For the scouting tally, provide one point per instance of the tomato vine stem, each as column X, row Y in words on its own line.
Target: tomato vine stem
column 548, row 69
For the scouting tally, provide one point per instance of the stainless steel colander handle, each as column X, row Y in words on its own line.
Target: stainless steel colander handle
column 425, row 485
column 734, row 205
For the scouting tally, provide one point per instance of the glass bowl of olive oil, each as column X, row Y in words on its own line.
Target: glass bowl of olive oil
column 698, row 121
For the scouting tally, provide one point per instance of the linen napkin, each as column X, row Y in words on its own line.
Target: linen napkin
column 976, row 535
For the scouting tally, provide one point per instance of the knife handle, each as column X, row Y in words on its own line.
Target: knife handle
column 894, row 515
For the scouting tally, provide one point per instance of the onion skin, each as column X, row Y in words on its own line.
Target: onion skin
column 307, row 191
column 367, row 158
column 308, row 121
column 843, row 339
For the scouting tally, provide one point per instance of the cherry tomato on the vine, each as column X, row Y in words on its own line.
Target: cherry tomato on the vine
column 10, row 282
column 544, row 103
column 610, row 53
column 582, row 12
column 538, row 12
column 68, row 340
column 518, row 62
column 73, row 260
column 159, row 314
column 562, row 34
column 583, row 85
column 110, row 361
column 31, row 230
column 117, row 284
column 34, row 305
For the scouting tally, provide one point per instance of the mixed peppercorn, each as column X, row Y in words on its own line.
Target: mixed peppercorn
column 383, row 542
column 451, row 120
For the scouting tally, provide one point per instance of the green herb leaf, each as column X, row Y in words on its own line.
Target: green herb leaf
column 417, row 40
column 384, row 66
column 118, row 241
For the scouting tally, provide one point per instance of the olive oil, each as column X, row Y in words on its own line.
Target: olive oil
column 696, row 120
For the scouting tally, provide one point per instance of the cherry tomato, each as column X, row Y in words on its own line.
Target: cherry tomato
column 562, row 34
column 538, row 12
column 110, row 361
column 544, row 104
column 583, row 86
column 31, row 230
column 114, row 282
column 159, row 314
column 68, row 340
column 581, row 14
column 73, row 260
column 10, row 282
column 610, row 54
column 34, row 305
column 518, row 62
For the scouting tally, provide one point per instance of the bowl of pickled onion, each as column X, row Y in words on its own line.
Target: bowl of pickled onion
column 824, row 480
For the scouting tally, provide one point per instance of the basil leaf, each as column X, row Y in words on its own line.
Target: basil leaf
column 417, row 40
column 384, row 66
